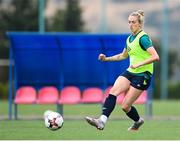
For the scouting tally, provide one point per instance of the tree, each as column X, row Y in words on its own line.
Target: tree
column 57, row 21
column 69, row 19
column 15, row 15
column 18, row 15
column 172, row 60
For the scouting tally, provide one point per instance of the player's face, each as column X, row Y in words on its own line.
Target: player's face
column 134, row 24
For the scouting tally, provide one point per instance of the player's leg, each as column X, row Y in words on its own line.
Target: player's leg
column 131, row 112
column 121, row 84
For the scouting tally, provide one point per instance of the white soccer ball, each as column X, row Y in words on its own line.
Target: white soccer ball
column 53, row 120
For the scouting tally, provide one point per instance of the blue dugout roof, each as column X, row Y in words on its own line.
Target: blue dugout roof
column 65, row 59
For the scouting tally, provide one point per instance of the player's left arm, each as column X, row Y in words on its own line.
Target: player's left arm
column 147, row 45
column 153, row 57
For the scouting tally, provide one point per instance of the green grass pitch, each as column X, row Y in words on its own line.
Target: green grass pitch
column 165, row 124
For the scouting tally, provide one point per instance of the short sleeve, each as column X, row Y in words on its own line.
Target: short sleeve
column 145, row 42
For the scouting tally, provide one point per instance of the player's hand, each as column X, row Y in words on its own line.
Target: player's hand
column 134, row 66
column 102, row 57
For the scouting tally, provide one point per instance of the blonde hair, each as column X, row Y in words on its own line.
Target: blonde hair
column 140, row 15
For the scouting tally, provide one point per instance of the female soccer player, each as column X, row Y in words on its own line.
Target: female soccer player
column 135, row 79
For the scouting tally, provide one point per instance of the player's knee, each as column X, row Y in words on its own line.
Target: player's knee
column 125, row 108
column 114, row 91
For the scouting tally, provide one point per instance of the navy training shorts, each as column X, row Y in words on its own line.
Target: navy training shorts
column 140, row 81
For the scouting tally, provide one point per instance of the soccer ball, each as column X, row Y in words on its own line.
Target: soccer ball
column 53, row 120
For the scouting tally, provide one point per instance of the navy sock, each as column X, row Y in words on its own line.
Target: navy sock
column 109, row 105
column 133, row 114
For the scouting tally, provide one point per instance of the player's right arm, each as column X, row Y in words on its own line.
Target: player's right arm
column 118, row 57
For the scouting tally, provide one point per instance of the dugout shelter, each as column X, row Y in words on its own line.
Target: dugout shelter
column 62, row 59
